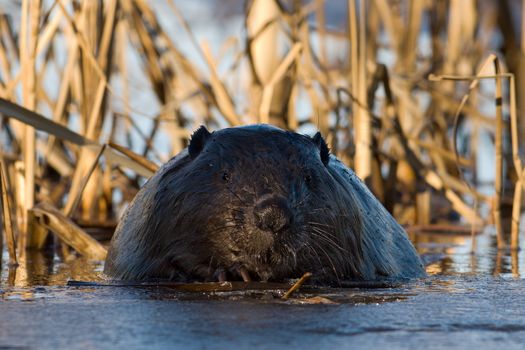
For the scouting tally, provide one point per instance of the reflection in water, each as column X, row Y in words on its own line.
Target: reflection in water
column 452, row 261
column 459, row 258
column 41, row 268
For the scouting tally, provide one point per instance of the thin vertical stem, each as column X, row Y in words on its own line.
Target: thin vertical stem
column 516, row 206
column 8, row 220
column 498, row 181
column 362, row 127
column 516, row 212
column 28, row 50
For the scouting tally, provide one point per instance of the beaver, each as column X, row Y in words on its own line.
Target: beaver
column 258, row 203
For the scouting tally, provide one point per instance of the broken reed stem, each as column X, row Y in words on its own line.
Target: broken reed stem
column 146, row 163
column 68, row 232
column 8, row 220
column 297, row 285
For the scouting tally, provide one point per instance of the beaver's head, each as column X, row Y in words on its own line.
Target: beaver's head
column 257, row 202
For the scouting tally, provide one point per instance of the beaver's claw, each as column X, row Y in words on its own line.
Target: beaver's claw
column 234, row 272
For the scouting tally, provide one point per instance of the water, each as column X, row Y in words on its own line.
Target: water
column 467, row 301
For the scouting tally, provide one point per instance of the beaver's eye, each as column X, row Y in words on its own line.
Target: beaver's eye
column 308, row 179
column 226, row 176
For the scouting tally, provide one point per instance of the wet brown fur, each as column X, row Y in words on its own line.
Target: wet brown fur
column 258, row 199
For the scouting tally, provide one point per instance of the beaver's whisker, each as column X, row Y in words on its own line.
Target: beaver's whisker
column 292, row 253
column 329, row 241
column 236, row 195
column 306, row 197
column 334, row 269
column 314, row 223
column 315, row 255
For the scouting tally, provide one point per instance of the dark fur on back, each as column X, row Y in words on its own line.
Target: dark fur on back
column 272, row 202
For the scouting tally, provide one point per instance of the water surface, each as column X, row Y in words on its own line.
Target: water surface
column 468, row 300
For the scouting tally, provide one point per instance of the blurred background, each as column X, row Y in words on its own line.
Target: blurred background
column 415, row 96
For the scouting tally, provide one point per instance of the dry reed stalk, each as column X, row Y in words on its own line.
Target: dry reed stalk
column 220, row 95
column 68, row 232
column 48, row 33
column 2, row 219
column 143, row 10
column 516, row 213
column 434, row 180
column 491, row 59
column 75, row 194
column 498, row 181
column 19, row 197
column 44, row 124
column 99, row 47
column 518, row 166
column 409, row 50
column 514, row 263
column 441, row 151
column 354, row 61
column 431, row 177
column 268, row 27
column 389, row 22
column 423, row 207
column 8, row 221
column 64, row 93
column 276, row 77
column 28, row 53
column 362, row 126
column 136, row 157
column 37, row 238
column 264, row 30
column 121, row 60
column 397, row 132
column 223, row 98
column 293, row 122
column 321, row 30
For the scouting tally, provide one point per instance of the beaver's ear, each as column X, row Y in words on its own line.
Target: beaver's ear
column 323, row 148
column 198, row 141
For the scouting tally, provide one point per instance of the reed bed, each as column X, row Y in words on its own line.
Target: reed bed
column 403, row 92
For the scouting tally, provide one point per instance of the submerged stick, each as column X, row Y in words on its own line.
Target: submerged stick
column 229, row 286
column 187, row 287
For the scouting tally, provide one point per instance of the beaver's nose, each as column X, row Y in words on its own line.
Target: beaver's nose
column 272, row 213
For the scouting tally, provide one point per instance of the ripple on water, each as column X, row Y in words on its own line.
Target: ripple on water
column 473, row 299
